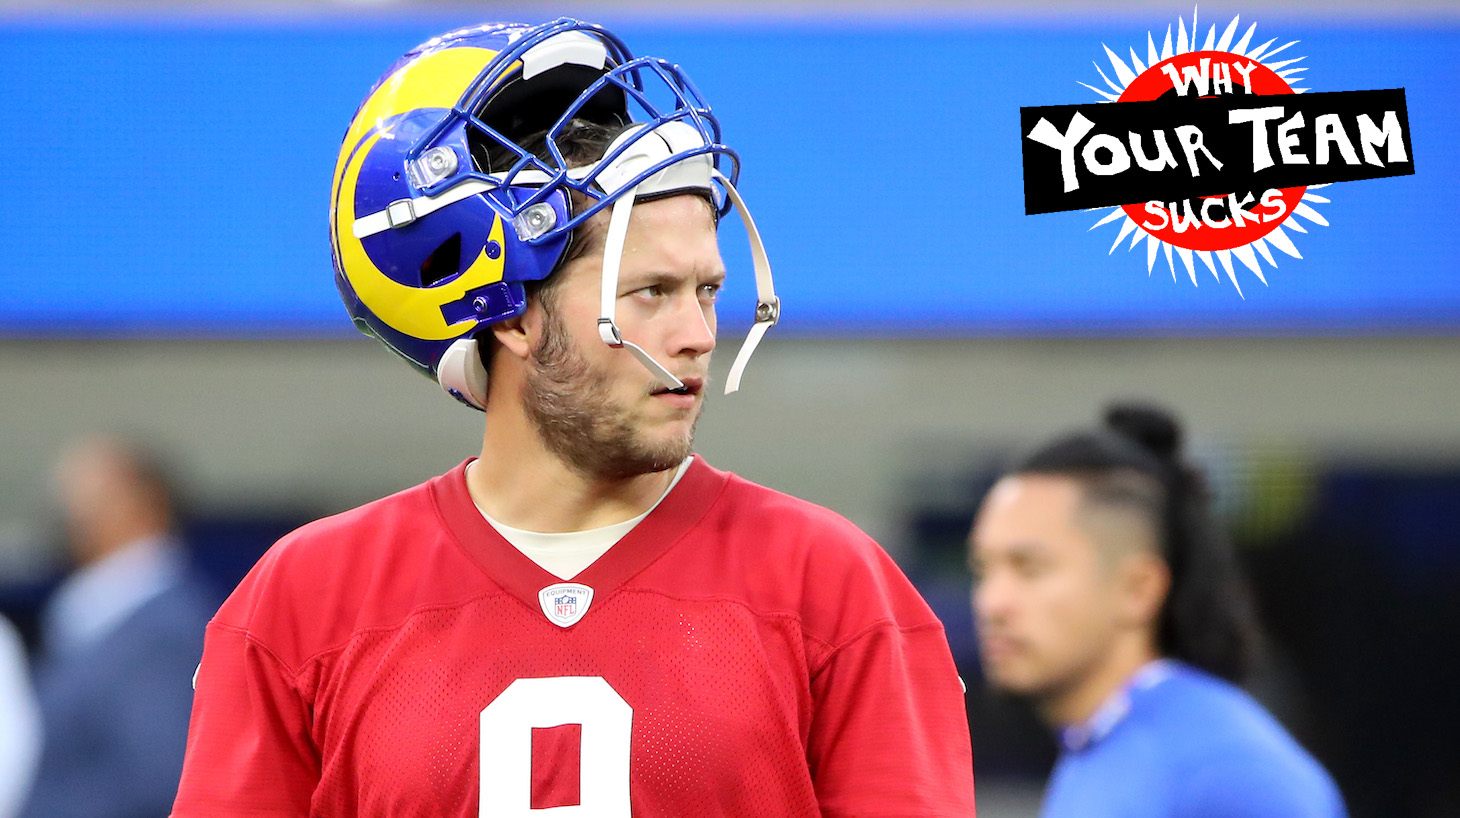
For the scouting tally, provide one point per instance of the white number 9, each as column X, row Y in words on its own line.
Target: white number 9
column 506, row 746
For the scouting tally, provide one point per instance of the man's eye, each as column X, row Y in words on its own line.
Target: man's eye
column 710, row 292
column 1028, row 568
column 653, row 290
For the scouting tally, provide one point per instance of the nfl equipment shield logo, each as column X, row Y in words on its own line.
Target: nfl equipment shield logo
column 565, row 603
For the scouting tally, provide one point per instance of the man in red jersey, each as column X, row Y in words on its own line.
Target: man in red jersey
column 587, row 616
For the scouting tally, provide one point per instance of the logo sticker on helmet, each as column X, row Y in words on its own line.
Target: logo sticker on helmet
column 414, row 311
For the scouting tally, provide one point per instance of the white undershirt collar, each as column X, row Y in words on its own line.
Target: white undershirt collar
column 567, row 554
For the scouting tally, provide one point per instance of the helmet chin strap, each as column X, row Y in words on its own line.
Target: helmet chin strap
column 767, row 306
column 767, row 309
column 613, row 252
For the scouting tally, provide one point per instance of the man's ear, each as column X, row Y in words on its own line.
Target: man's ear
column 1145, row 581
column 516, row 335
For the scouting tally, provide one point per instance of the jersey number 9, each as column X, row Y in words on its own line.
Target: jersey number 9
column 506, row 746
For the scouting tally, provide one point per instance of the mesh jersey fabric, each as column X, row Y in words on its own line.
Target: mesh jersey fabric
column 744, row 654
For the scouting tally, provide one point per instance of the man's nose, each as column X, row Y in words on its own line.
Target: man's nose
column 993, row 597
column 694, row 327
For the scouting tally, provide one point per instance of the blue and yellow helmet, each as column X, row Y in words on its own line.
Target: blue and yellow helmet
column 439, row 214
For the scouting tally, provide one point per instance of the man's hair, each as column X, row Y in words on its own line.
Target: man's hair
column 1134, row 462
column 581, row 142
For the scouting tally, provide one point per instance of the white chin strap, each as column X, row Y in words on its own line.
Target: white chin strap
column 613, row 253
column 692, row 173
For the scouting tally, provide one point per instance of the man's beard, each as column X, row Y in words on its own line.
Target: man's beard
column 572, row 408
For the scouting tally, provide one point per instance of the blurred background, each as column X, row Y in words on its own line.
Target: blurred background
column 165, row 274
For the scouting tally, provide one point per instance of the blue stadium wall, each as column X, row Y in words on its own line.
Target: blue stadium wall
column 171, row 177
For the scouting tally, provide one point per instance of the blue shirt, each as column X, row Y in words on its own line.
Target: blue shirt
column 123, row 637
column 20, row 723
column 1180, row 743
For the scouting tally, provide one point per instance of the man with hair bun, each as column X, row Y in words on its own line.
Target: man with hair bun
column 1107, row 594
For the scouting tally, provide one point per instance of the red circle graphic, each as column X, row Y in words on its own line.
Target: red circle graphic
column 1207, row 223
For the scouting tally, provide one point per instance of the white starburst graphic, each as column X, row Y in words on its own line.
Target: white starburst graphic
column 1248, row 254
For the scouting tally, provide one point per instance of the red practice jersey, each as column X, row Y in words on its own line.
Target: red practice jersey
column 739, row 653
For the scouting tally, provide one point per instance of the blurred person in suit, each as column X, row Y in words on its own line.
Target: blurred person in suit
column 121, row 638
column 1107, row 594
column 20, row 722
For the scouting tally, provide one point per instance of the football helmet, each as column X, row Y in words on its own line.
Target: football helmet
column 440, row 212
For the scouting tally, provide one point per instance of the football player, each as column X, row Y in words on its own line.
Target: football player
column 1107, row 594
column 586, row 615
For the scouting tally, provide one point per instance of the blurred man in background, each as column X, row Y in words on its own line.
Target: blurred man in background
column 1107, row 594
column 122, row 636
column 20, row 722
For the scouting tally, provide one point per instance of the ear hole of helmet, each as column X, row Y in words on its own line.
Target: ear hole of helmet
column 524, row 108
column 444, row 262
